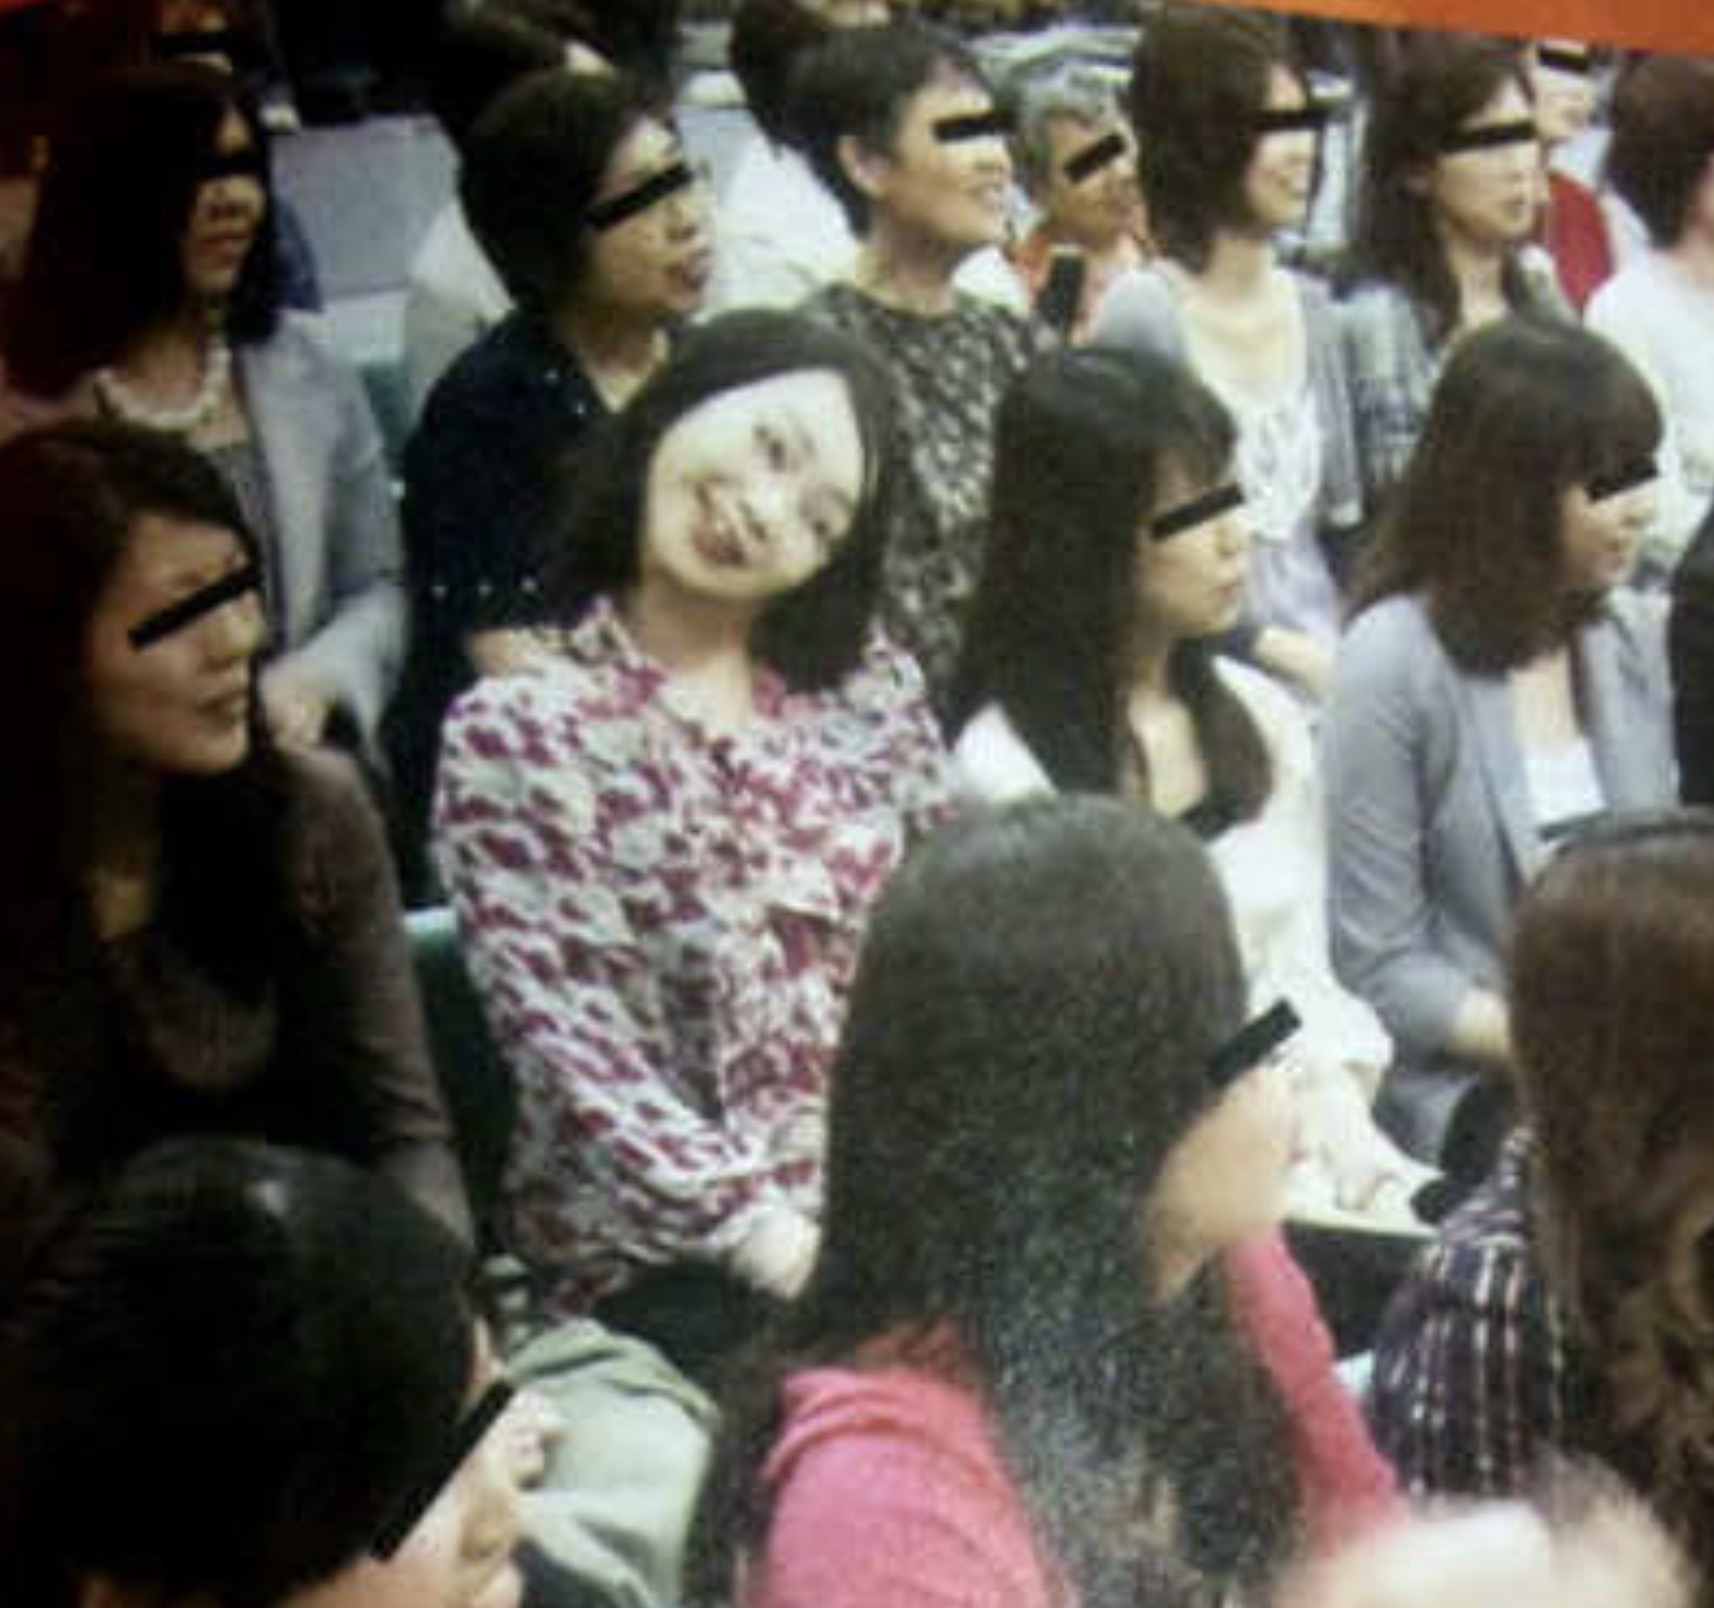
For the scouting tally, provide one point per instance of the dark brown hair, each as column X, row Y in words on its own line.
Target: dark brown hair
column 1525, row 410
column 1663, row 136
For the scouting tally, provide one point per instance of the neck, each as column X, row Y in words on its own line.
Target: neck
column 1148, row 660
column 1117, row 248
column 1238, row 266
column 903, row 271
column 1694, row 257
column 171, row 349
column 1479, row 272
column 704, row 646
column 617, row 352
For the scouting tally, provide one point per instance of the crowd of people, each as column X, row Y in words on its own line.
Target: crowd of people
column 1003, row 726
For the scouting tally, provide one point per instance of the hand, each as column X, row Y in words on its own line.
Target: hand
column 528, row 1429
column 296, row 704
column 778, row 1253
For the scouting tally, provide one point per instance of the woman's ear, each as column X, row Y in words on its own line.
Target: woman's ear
column 867, row 168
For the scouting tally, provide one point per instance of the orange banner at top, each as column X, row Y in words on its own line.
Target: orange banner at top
column 1685, row 26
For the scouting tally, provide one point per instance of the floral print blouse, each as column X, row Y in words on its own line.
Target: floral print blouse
column 662, row 922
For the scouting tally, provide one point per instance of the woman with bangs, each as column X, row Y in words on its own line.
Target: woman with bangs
column 1498, row 687
column 150, row 295
column 1228, row 156
column 1450, row 197
column 1117, row 562
column 1567, row 1308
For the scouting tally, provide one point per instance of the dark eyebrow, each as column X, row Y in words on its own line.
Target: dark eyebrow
column 972, row 126
column 1565, row 61
column 1292, row 119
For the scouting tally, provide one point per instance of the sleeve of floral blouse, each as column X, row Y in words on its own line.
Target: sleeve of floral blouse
column 574, row 1003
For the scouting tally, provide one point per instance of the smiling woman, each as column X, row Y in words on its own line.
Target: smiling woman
column 662, row 846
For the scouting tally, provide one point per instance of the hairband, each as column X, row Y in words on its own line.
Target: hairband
column 192, row 42
column 1638, row 472
column 1253, row 1043
column 188, row 610
column 1490, row 137
column 640, row 197
column 1093, row 157
column 1187, row 516
column 245, row 164
column 1581, row 62
column 419, row 1498
column 973, row 126
column 1311, row 119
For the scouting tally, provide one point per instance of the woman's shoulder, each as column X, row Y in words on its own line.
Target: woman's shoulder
column 992, row 762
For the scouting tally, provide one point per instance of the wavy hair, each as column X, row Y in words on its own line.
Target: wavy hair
column 1525, row 410
column 105, row 255
column 813, row 635
column 1082, row 442
column 1038, row 997
column 1612, row 969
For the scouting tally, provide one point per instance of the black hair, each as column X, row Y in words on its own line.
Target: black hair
column 70, row 499
column 1440, row 82
column 533, row 165
column 859, row 84
column 814, row 635
column 1663, row 136
column 476, row 55
column 1199, row 78
column 220, row 1373
column 769, row 38
column 105, row 254
column 1526, row 409
column 1038, row 998
column 1082, row 440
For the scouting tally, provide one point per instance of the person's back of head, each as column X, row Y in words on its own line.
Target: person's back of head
column 477, row 55
column 222, row 1374
column 769, row 38
column 1662, row 141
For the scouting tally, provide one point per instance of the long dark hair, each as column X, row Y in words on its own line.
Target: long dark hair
column 1525, row 410
column 814, row 635
column 1442, row 80
column 1612, row 967
column 1199, row 78
column 70, row 499
column 1083, row 439
column 105, row 254
column 219, row 1373
column 1038, row 998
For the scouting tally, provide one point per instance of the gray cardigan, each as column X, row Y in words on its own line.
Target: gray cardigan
column 1431, row 834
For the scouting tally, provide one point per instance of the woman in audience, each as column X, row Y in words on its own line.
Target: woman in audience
column 1451, row 191
column 662, row 845
column 1227, row 142
column 1659, row 308
column 1089, row 668
column 200, row 931
column 900, row 126
column 295, row 1344
column 1078, row 163
column 1043, row 1354
column 147, row 295
column 1566, row 1307
column 582, row 199
column 1497, row 687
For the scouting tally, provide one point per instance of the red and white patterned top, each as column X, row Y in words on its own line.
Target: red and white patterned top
column 662, row 923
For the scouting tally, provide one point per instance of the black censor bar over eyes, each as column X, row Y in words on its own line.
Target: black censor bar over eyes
column 1098, row 154
column 1565, row 61
column 245, row 164
column 1522, row 132
column 1253, row 1043
column 1638, row 472
column 420, row 1497
column 188, row 610
column 669, row 181
column 1187, row 516
column 975, row 126
column 1292, row 120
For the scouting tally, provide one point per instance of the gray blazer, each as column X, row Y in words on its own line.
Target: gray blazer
column 1431, row 831
column 340, row 565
